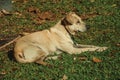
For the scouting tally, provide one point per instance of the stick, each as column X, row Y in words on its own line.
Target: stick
column 10, row 42
column 20, row 35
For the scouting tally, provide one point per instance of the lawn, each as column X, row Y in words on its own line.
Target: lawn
column 103, row 16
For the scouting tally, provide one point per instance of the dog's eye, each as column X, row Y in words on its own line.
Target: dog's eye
column 78, row 21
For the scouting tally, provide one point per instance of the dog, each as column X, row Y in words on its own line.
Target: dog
column 36, row 46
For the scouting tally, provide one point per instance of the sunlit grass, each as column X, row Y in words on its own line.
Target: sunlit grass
column 104, row 31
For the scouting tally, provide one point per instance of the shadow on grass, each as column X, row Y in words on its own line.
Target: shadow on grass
column 11, row 55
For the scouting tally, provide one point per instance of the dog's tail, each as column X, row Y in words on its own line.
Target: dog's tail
column 19, row 56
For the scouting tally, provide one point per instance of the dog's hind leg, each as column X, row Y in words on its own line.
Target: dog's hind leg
column 41, row 59
column 52, row 57
column 41, row 62
column 85, row 46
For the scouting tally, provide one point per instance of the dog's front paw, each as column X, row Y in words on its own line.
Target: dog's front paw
column 100, row 49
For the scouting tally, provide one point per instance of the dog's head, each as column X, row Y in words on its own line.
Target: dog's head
column 73, row 23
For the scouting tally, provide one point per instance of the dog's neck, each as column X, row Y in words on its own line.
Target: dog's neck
column 68, row 31
column 61, row 28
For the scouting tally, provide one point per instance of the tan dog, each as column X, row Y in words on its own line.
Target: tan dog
column 35, row 47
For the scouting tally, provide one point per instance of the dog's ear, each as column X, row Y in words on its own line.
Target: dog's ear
column 69, row 19
column 71, row 13
column 65, row 22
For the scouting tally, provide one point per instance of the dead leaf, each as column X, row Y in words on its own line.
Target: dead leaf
column 1, row 14
column 113, row 53
column 83, row 58
column 96, row 60
column 39, row 21
column 5, row 12
column 18, row 13
column 64, row 77
column 33, row 10
column 40, row 17
column 3, row 72
column 25, row 1
column 15, row 68
column 46, row 15
column 86, row 16
column 118, row 44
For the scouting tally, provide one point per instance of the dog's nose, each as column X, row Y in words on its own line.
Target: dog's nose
column 88, row 27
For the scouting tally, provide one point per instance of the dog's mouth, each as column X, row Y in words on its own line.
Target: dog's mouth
column 76, row 32
column 82, row 30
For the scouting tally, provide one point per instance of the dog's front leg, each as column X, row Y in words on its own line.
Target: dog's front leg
column 87, row 46
column 77, row 50
column 91, row 46
column 84, row 46
column 80, row 50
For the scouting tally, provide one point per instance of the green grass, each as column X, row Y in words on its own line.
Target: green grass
column 104, row 31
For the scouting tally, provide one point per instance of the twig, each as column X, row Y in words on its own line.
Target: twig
column 10, row 42
column 20, row 35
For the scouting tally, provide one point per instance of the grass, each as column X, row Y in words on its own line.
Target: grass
column 105, row 31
